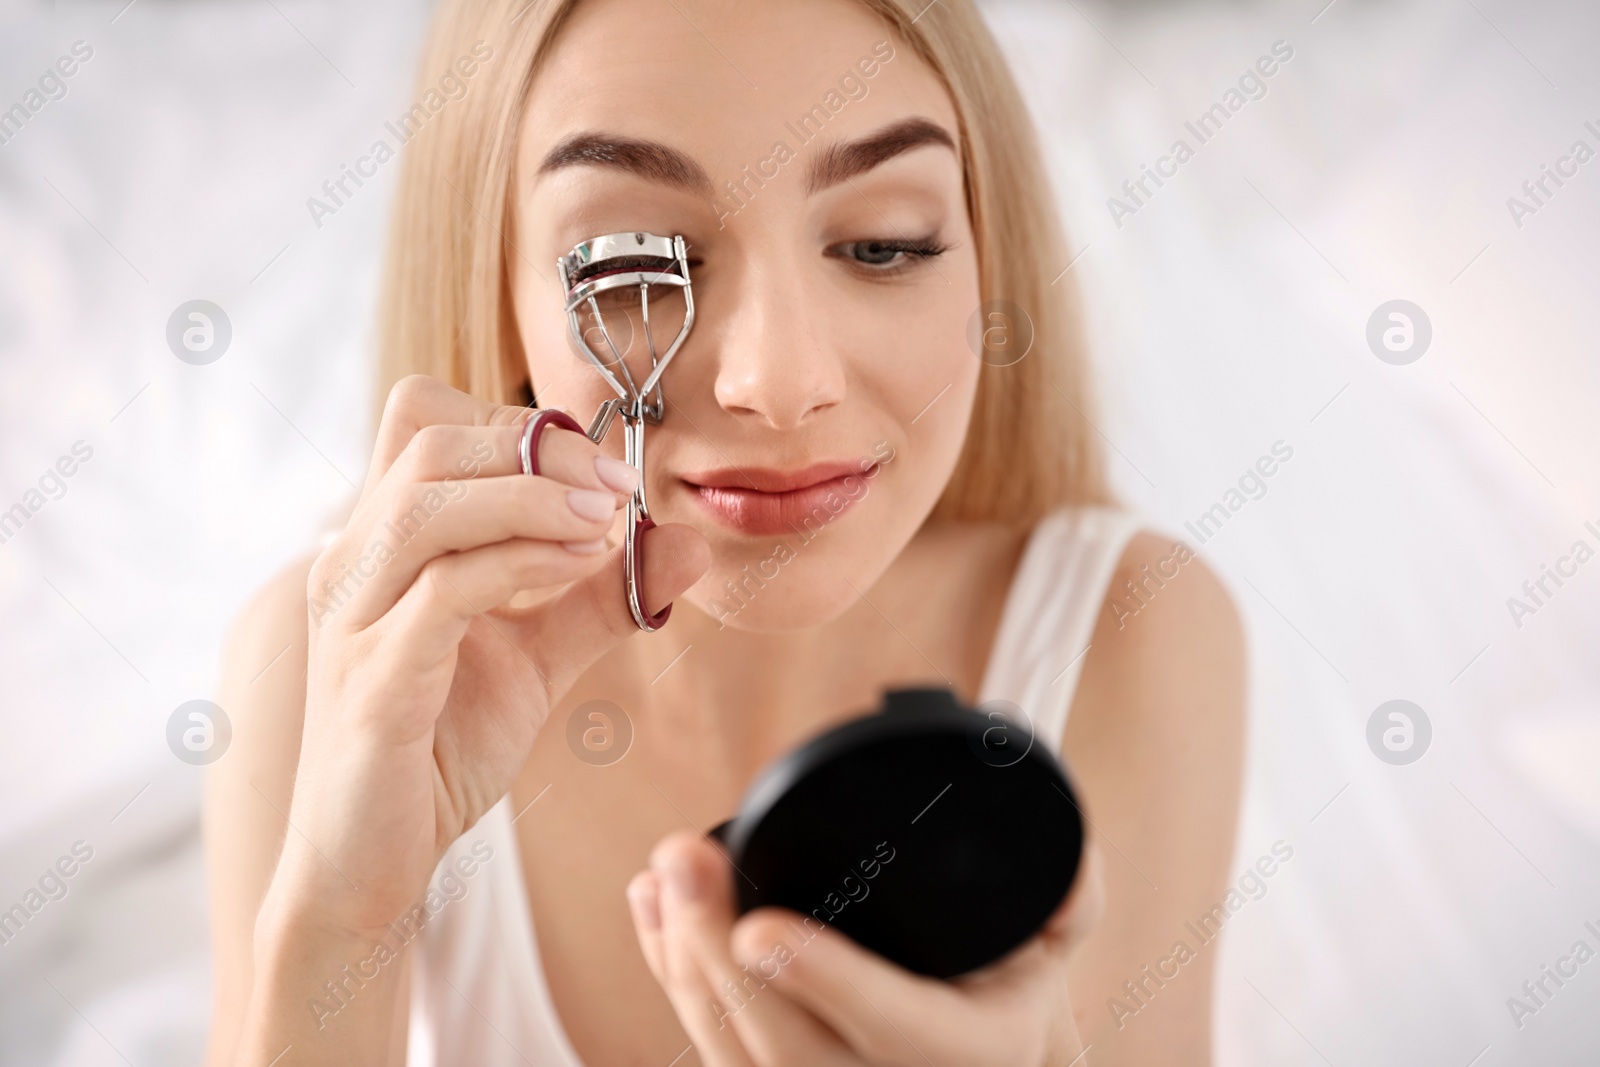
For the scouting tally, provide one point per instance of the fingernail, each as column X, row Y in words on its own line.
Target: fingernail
column 623, row 477
column 591, row 503
column 679, row 875
column 646, row 904
column 585, row 548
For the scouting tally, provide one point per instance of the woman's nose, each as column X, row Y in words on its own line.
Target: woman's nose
column 775, row 361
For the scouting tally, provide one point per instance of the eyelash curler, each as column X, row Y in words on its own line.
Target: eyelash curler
column 613, row 267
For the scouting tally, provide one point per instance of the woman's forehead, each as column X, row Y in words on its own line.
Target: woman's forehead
column 725, row 81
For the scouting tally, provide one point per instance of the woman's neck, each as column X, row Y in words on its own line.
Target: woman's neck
column 739, row 696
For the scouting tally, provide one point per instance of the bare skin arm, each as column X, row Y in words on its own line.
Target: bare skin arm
column 1156, row 740
column 247, row 797
column 367, row 753
column 248, row 791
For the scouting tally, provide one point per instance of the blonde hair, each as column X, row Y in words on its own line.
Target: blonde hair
column 446, row 308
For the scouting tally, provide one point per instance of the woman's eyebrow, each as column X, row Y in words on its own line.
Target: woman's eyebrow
column 843, row 161
column 650, row 160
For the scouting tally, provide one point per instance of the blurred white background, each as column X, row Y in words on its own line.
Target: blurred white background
column 1227, row 313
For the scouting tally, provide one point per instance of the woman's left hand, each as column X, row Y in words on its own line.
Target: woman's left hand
column 766, row 991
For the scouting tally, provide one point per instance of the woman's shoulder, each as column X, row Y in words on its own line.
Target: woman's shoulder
column 1148, row 575
column 1165, row 579
column 269, row 630
column 262, row 686
column 1160, row 709
column 1165, row 644
column 277, row 610
column 1166, row 612
column 1156, row 741
column 267, row 643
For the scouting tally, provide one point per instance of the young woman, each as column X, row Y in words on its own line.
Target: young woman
column 410, row 863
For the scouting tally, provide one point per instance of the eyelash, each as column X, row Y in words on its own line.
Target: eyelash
column 917, row 249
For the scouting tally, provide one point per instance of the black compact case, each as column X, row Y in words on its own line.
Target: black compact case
column 936, row 836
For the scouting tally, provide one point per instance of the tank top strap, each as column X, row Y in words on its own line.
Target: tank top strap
column 1050, row 614
column 478, row 992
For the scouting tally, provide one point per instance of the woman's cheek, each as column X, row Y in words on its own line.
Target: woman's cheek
column 936, row 408
column 930, row 360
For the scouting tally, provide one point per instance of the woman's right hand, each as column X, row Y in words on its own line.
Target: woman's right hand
column 425, row 689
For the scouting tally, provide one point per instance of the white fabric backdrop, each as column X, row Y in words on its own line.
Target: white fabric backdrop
column 1227, row 314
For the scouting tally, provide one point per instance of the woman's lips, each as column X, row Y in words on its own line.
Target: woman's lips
column 764, row 502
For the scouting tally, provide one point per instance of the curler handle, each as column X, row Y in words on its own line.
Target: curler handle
column 528, row 444
column 633, row 561
column 638, row 523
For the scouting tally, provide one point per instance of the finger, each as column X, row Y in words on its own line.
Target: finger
column 1080, row 912
column 448, row 451
column 406, row 530
column 574, row 459
column 428, row 622
column 644, row 904
column 809, row 1038
column 879, row 1008
column 881, row 1011
column 876, row 1005
column 701, row 1008
column 567, row 634
column 697, row 912
column 417, row 401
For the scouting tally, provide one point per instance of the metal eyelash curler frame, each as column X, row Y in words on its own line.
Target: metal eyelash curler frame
column 616, row 263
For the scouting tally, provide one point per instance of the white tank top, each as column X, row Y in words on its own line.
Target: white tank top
column 478, row 991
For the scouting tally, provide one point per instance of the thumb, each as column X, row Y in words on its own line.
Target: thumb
column 1081, row 910
column 569, row 632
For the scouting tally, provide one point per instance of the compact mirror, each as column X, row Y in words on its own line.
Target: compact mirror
column 936, row 836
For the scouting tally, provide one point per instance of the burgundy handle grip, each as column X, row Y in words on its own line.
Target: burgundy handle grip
column 535, row 427
column 659, row 619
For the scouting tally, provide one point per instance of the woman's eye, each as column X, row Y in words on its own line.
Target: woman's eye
column 886, row 253
column 875, row 252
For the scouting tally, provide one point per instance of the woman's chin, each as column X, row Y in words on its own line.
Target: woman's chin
column 773, row 598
